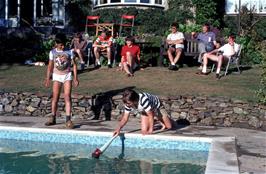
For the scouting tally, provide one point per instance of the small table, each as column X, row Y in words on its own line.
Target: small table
column 108, row 26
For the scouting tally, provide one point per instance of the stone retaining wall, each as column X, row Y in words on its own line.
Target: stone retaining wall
column 209, row 111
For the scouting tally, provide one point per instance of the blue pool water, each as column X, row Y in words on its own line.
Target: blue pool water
column 37, row 152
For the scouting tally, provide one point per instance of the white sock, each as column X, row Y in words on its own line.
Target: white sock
column 173, row 64
column 98, row 62
column 218, row 71
column 204, row 69
column 109, row 62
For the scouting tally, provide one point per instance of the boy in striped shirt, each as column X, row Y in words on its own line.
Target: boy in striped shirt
column 149, row 106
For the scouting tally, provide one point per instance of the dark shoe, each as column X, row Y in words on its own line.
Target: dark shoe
column 51, row 121
column 82, row 66
column 175, row 68
column 171, row 67
column 202, row 73
column 110, row 66
column 130, row 75
column 217, row 76
column 95, row 118
column 69, row 125
column 97, row 66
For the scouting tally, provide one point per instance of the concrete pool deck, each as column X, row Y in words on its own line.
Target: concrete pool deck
column 251, row 144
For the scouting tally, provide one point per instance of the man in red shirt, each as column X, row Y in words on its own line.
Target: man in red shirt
column 103, row 44
column 130, row 56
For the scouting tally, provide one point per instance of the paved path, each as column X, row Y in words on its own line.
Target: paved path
column 251, row 144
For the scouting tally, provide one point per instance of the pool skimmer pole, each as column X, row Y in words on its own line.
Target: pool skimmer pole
column 99, row 151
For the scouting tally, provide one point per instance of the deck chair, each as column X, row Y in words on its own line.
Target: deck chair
column 127, row 21
column 233, row 60
column 92, row 21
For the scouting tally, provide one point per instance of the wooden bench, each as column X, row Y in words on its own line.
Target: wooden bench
column 190, row 50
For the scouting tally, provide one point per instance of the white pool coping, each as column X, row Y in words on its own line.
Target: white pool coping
column 222, row 158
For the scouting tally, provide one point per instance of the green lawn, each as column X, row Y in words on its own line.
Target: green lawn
column 157, row 80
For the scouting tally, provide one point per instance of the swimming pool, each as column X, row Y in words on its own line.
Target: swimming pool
column 45, row 150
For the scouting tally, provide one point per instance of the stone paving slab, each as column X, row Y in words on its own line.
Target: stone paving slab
column 251, row 144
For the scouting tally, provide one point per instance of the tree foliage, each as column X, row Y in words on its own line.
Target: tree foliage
column 76, row 12
column 209, row 11
column 179, row 11
column 262, row 90
column 150, row 20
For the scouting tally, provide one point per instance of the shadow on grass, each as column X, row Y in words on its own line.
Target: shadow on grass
column 235, row 70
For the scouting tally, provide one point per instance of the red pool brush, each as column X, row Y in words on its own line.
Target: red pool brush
column 99, row 151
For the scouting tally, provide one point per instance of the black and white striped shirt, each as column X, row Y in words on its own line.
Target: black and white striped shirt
column 147, row 102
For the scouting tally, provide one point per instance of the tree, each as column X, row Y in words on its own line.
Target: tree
column 179, row 11
column 77, row 10
column 209, row 11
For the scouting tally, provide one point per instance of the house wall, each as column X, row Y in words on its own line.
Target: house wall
column 232, row 6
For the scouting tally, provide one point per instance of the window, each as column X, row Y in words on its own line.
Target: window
column 44, row 8
column 12, row 8
column 115, row 1
column 144, row 1
column 158, row 2
column 130, row 0
column 103, row 2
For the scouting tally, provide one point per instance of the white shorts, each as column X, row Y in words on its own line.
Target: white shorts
column 62, row 78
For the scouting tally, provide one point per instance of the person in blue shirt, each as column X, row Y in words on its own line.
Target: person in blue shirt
column 206, row 41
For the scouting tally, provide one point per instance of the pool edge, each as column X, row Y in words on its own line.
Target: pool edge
column 222, row 158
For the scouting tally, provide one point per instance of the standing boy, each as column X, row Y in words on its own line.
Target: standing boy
column 60, row 68
column 149, row 106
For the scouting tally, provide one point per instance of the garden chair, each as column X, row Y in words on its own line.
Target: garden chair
column 92, row 21
column 127, row 21
column 233, row 60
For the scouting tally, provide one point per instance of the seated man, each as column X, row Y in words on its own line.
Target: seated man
column 103, row 44
column 130, row 56
column 78, row 45
column 206, row 41
column 175, row 40
column 227, row 51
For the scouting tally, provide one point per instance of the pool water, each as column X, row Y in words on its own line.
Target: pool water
column 41, row 157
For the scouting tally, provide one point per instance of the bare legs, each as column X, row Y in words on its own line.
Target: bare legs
column 80, row 54
column 147, row 123
column 218, row 59
column 67, row 96
column 129, row 64
column 97, row 52
column 170, row 52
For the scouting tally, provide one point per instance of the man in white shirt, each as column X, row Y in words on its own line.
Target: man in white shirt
column 228, row 50
column 175, row 40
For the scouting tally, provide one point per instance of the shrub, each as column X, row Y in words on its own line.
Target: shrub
column 261, row 93
column 45, row 47
column 209, row 11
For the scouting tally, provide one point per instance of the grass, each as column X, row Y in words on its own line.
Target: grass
column 156, row 80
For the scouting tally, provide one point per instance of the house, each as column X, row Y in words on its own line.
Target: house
column 98, row 4
column 36, row 13
column 232, row 6
column 43, row 13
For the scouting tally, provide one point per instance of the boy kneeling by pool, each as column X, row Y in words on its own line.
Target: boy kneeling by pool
column 149, row 106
